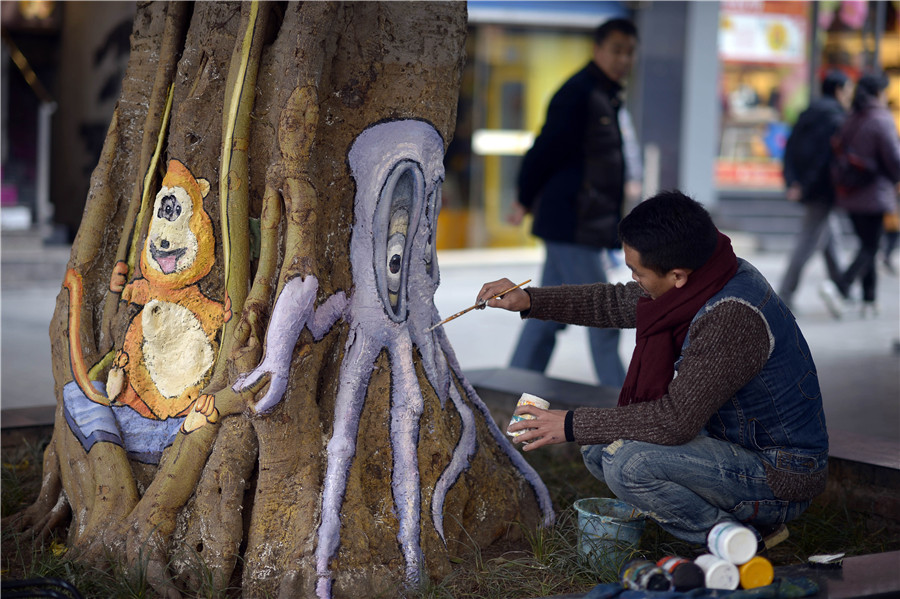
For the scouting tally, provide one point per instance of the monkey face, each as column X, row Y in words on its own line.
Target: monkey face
column 171, row 244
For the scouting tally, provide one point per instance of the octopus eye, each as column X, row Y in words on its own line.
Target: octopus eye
column 396, row 245
column 398, row 204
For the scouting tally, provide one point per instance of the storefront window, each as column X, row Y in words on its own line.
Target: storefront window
column 763, row 47
column 767, row 68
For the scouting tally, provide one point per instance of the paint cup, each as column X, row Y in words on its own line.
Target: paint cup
column 644, row 575
column 732, row 542
column 718, row 573
column 758, row 572
column 686, row 575
column 526, row 400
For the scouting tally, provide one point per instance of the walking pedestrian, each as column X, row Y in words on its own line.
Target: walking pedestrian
column 866, row 173
column 572, row 181
column 807, row 176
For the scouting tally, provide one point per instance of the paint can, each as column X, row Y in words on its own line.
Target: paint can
column 686, row 575
column 644, row 575
column 718, row 573
column 527, row 399
column 758, row 572
column 732, row 542
column 609, row 531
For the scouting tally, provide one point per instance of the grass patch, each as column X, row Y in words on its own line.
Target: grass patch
column 544, row 562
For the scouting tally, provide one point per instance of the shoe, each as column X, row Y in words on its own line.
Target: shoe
column 775, row 535
column 829, row 293
column 869, row 310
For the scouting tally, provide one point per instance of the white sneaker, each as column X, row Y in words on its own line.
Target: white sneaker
column 869, row 310
column 829, row 293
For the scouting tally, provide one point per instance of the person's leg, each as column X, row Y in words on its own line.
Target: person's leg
column 582, row 265
column 688, row 488
column 868, row 229
column 812, row 229
column 538, row 337
column 831, row 246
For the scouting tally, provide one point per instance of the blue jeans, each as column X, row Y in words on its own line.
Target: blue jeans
column 688, row 488
column 820, row 230
column 570, row 264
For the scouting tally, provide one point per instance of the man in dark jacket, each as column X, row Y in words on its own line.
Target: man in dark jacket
column 572, row 181
column 808, row 180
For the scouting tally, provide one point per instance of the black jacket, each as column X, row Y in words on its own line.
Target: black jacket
column 573, row 177
column 808, row 150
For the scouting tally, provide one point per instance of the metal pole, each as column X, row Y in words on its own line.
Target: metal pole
column 879, row 25
column 815, row 53
column 44, row 207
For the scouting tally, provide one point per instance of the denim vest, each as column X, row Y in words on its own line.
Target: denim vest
column 779, row 413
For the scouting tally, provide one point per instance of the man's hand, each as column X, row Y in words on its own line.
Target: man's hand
column 516, row 214
column 794, row 192
column 547, row 428
column 516, row 300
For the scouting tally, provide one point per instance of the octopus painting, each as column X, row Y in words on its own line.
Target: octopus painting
column 398, row 170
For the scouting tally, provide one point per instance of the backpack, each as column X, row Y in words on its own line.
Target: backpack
column 849, row 170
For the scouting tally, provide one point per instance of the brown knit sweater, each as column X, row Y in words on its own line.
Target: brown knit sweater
column 730, row 344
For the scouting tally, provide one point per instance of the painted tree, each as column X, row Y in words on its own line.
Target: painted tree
column 245, row 367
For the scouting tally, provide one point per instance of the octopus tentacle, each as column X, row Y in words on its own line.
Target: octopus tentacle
column 292, row 311
column 406, row 410
column 459, row 462
column 356, row 370
column 533, row 478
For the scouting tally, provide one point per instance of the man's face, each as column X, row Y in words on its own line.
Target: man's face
column 616, row 55
column 844, row 94
column 649, row 280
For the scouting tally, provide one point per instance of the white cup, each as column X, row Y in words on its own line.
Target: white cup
column 719, row 574
column 527, row 399
column 732, row 542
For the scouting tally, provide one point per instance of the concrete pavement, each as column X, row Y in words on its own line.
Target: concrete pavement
column 858, row 364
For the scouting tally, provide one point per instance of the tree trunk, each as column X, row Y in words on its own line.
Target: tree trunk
column 270, row 399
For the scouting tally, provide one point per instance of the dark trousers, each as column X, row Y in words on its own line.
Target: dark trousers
column 868, row 229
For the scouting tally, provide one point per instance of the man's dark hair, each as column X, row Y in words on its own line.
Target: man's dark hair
column 867, row 89
column 670, row 230
column 833, row 81
column 621, row 25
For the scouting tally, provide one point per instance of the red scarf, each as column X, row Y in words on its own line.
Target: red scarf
column 662, row 325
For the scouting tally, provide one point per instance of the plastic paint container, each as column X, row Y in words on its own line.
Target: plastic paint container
column 686, row 575
column 609, row 531
column 526, row 400
column 732, row 542
column 758, row 572
column 644, row 575
column 719, row 574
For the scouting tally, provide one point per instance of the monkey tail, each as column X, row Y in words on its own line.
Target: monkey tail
column 72, row 282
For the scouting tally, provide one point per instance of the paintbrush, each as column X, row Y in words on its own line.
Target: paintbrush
column 478, row 304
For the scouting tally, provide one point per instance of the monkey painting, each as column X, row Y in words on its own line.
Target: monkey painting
column 170, row 345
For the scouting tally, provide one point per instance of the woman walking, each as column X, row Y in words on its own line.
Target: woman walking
column 866, row 172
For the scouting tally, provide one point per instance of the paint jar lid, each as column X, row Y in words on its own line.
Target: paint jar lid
column 686, row 575
column 719, row 574
column 527, row 399
column 732, row 542
column 758, row 572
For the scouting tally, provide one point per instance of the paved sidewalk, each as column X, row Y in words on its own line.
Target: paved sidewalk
column 858, row 364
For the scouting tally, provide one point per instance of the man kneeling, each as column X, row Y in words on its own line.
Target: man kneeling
column 720, row 416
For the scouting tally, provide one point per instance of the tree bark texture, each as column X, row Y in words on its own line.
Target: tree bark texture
column 364, row 459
